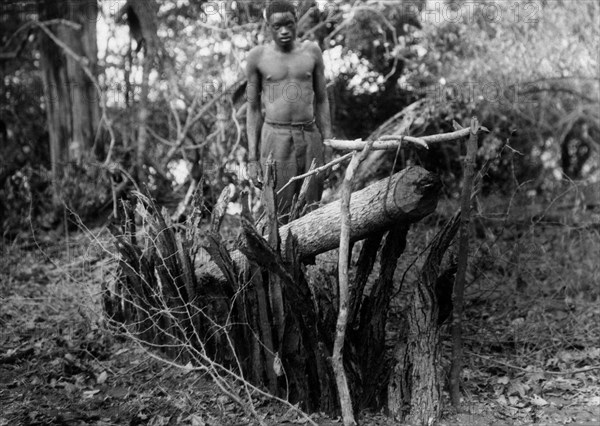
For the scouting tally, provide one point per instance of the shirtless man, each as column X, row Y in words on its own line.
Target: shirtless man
column 286, row 77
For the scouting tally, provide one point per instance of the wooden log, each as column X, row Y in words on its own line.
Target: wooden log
column 407, row 197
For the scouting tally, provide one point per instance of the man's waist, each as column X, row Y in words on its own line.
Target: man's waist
column 309, row 124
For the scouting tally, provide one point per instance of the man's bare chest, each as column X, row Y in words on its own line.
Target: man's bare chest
column 276, row 67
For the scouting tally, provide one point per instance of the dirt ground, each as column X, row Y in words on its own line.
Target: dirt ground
column 529, row 360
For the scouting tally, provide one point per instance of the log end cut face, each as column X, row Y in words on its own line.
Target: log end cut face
column 416, row 193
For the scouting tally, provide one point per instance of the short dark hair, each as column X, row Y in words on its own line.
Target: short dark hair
column 279, row 6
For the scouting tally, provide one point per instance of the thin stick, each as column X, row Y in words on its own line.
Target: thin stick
column 385, row 143
column 185, row 202
column 344, row 294
column 29, row 24
column 299, row 206
column 317, row 170
column 463, row 254
column 392, row 142
column 238, row 129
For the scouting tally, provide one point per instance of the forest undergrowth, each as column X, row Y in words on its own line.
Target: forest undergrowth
column 532, row 331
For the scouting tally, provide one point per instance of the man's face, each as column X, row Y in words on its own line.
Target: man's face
column 283, row 29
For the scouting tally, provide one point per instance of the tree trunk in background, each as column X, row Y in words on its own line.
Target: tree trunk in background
column 71, row 100
column 143, row 26
column 142, row 137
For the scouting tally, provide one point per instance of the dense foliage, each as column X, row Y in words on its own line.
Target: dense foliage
column 487, row 59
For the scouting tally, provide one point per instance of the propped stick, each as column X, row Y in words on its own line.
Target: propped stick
column 298, row 205
column 275, row 291
column 463, row 252
column 344, row 294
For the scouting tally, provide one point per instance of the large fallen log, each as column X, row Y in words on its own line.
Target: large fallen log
column 407, row 197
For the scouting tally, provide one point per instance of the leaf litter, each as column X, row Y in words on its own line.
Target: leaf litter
column 58, row 364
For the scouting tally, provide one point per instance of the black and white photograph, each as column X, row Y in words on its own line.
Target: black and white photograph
column 300, row 212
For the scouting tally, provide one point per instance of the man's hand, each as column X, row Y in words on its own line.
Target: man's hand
column 255, row 173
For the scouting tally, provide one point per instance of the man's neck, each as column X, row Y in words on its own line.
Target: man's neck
column 287, row 49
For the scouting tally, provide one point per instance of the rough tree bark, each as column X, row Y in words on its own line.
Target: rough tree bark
column 72, row 103
column 414, row 391
column 369, row 332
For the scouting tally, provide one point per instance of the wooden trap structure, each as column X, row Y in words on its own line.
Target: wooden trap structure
column 251, row 309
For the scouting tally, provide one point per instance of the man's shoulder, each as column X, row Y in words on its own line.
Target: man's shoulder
column 255, row 53
column 257, row 50
column 312, row 47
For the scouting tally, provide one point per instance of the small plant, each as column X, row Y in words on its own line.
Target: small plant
column 84, row 190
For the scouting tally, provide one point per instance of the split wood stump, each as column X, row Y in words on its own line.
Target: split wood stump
column 221, row 302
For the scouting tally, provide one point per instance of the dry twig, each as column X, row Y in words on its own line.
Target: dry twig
column 317, row 170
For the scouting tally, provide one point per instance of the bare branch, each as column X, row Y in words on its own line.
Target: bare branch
column 317, row 170
column 344, row 294
column 393, row 142
column 28, row 25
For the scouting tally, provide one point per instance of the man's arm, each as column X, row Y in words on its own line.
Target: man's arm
column 322, row 115
column 254, row 118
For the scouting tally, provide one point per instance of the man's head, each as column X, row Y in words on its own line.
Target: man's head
column 281, row 17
